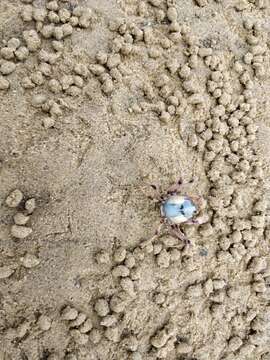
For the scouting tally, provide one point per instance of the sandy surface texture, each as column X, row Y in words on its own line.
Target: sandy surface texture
column 99, row 99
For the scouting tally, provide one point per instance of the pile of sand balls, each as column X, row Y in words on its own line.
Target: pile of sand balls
column 19, row 229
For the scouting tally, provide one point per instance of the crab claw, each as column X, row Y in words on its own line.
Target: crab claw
column 201, row 219
column 199, row 202
column 175, row 187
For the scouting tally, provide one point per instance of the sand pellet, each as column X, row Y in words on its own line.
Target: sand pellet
column 14, row 198
column 86, row 326
column 32, row 40
column 20, row 232
column 21, row 218
column 108, row 320
column 6, row 271
column 30, row 260
column 78, row 321
column 102, row 307
column 69, row 313
column 95, row 336
column 44, row 323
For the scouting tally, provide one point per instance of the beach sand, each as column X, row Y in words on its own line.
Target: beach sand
column 99, row 100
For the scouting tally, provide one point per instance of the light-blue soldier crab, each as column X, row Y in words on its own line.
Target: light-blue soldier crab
column 177, row 209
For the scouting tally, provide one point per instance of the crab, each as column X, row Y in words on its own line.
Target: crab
column 177, row 209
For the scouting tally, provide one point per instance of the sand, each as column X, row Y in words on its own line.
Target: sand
column 99, row 100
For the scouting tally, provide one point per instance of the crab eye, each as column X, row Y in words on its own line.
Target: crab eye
column 188, row 208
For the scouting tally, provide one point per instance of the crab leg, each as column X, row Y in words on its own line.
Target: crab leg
column 157, row 194
column 177, row 186
column 193, row 222
column 157, row 233
column 198, row 200
column 198, row 221
column 176, row 232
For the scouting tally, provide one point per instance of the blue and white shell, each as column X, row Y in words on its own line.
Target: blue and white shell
column 178, row 209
